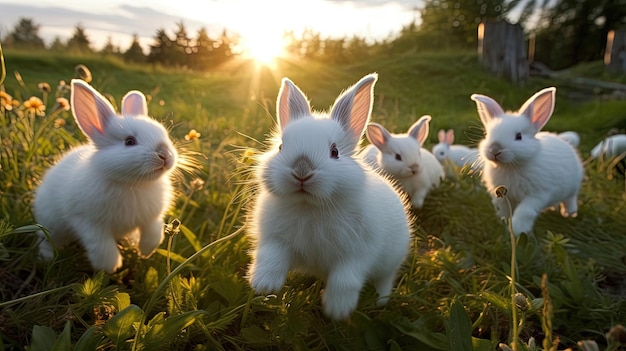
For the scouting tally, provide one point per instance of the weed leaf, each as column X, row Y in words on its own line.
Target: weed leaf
column 459, row 328
column 120, row 327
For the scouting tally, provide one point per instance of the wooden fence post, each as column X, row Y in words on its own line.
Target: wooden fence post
column 615, row 53
column 502, row 51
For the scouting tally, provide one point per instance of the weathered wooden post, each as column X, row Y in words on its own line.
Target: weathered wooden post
column 502, row 51
column 615, row 53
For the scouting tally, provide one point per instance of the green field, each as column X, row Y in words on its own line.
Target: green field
column 454, row 291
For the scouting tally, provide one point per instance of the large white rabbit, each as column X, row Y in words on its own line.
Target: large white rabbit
column 539, row 169
column 320, row 210
column 403, row 158
column 460, row 155
column 116, row 186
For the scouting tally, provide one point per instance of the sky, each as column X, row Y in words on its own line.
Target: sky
column 252, row 19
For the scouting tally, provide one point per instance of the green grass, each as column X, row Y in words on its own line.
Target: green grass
column 192, row 294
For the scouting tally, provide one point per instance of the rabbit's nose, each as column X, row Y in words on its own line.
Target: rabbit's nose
column 163, row 151
column 302, row 168
column 415, row 168
column 495, row 149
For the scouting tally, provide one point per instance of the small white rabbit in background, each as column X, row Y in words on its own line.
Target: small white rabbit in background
column 571, row 137
column 116, row 186
column 611, row 147
column 403, row 158
column 460, row 155
column 320, row 210
column 539, row 169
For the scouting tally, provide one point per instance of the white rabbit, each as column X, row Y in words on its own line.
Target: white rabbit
column 369, row 154
column 571, row 137
column 539, row 169
column 319, row 210
column 116, row 186
column 403, row 158
column 610, row 147
column 460, row 155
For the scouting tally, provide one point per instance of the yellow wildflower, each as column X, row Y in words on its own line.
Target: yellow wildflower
column 63, row 104
column 34, row 105
column 6, row 101
column 44, row 87
column 192, row 135
column 62, row 86
column 59, row 122
column 197, row 184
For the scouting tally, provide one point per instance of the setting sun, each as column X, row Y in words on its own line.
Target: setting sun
column 263, row 46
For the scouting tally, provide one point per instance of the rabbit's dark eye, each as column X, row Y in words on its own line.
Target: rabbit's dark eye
column 130, row 141
column 334, row 152
column 398, row 157
column 518, row 136
column 280, row 147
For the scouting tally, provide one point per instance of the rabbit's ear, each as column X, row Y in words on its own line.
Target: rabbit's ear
column 419, row 129
column 450, row 136
column 487, row 107
column 539, row 107
column 352, row 109
column 134, row 104
column 441, row 136
column 91, row 110
column 377, row 135
column 291, row 104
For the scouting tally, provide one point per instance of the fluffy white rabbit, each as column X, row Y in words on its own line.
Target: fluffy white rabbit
column 319, row 210
column 403, row 158
column 571, row 137
column 539, row 169
column 610, row 147
column 369, row 154
column 116, row 186
column 460, row 155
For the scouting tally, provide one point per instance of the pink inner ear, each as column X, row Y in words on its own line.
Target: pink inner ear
column 291, row 103
column 539, row 107
column 450, row 136
column 487, row 108
column 361, row 108
column 441, row 136
column 134, row 103
column 375, row 133
column 419, row 130
column 282, row 109
column 91, row 110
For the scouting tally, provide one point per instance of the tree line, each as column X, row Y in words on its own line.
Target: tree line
column 566, row 32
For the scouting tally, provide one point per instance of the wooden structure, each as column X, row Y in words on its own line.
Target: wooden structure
column 615, row 53
column 502, row 50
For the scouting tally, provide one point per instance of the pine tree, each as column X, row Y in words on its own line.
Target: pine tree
column 25, row 35
column 109, row 48
column 202, row 54
column 79, row 42
column 160, row 51
column 58, row 45
column 134, row 52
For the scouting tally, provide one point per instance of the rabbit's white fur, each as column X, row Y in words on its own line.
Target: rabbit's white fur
column 403, row 158
column 320, row 210
column 460, row 155
column 539, row 169
column 107, row 190
column 369, row 154
column 610, row 147
column 571, row 137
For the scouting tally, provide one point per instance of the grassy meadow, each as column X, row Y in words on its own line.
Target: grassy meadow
column 453, row 293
